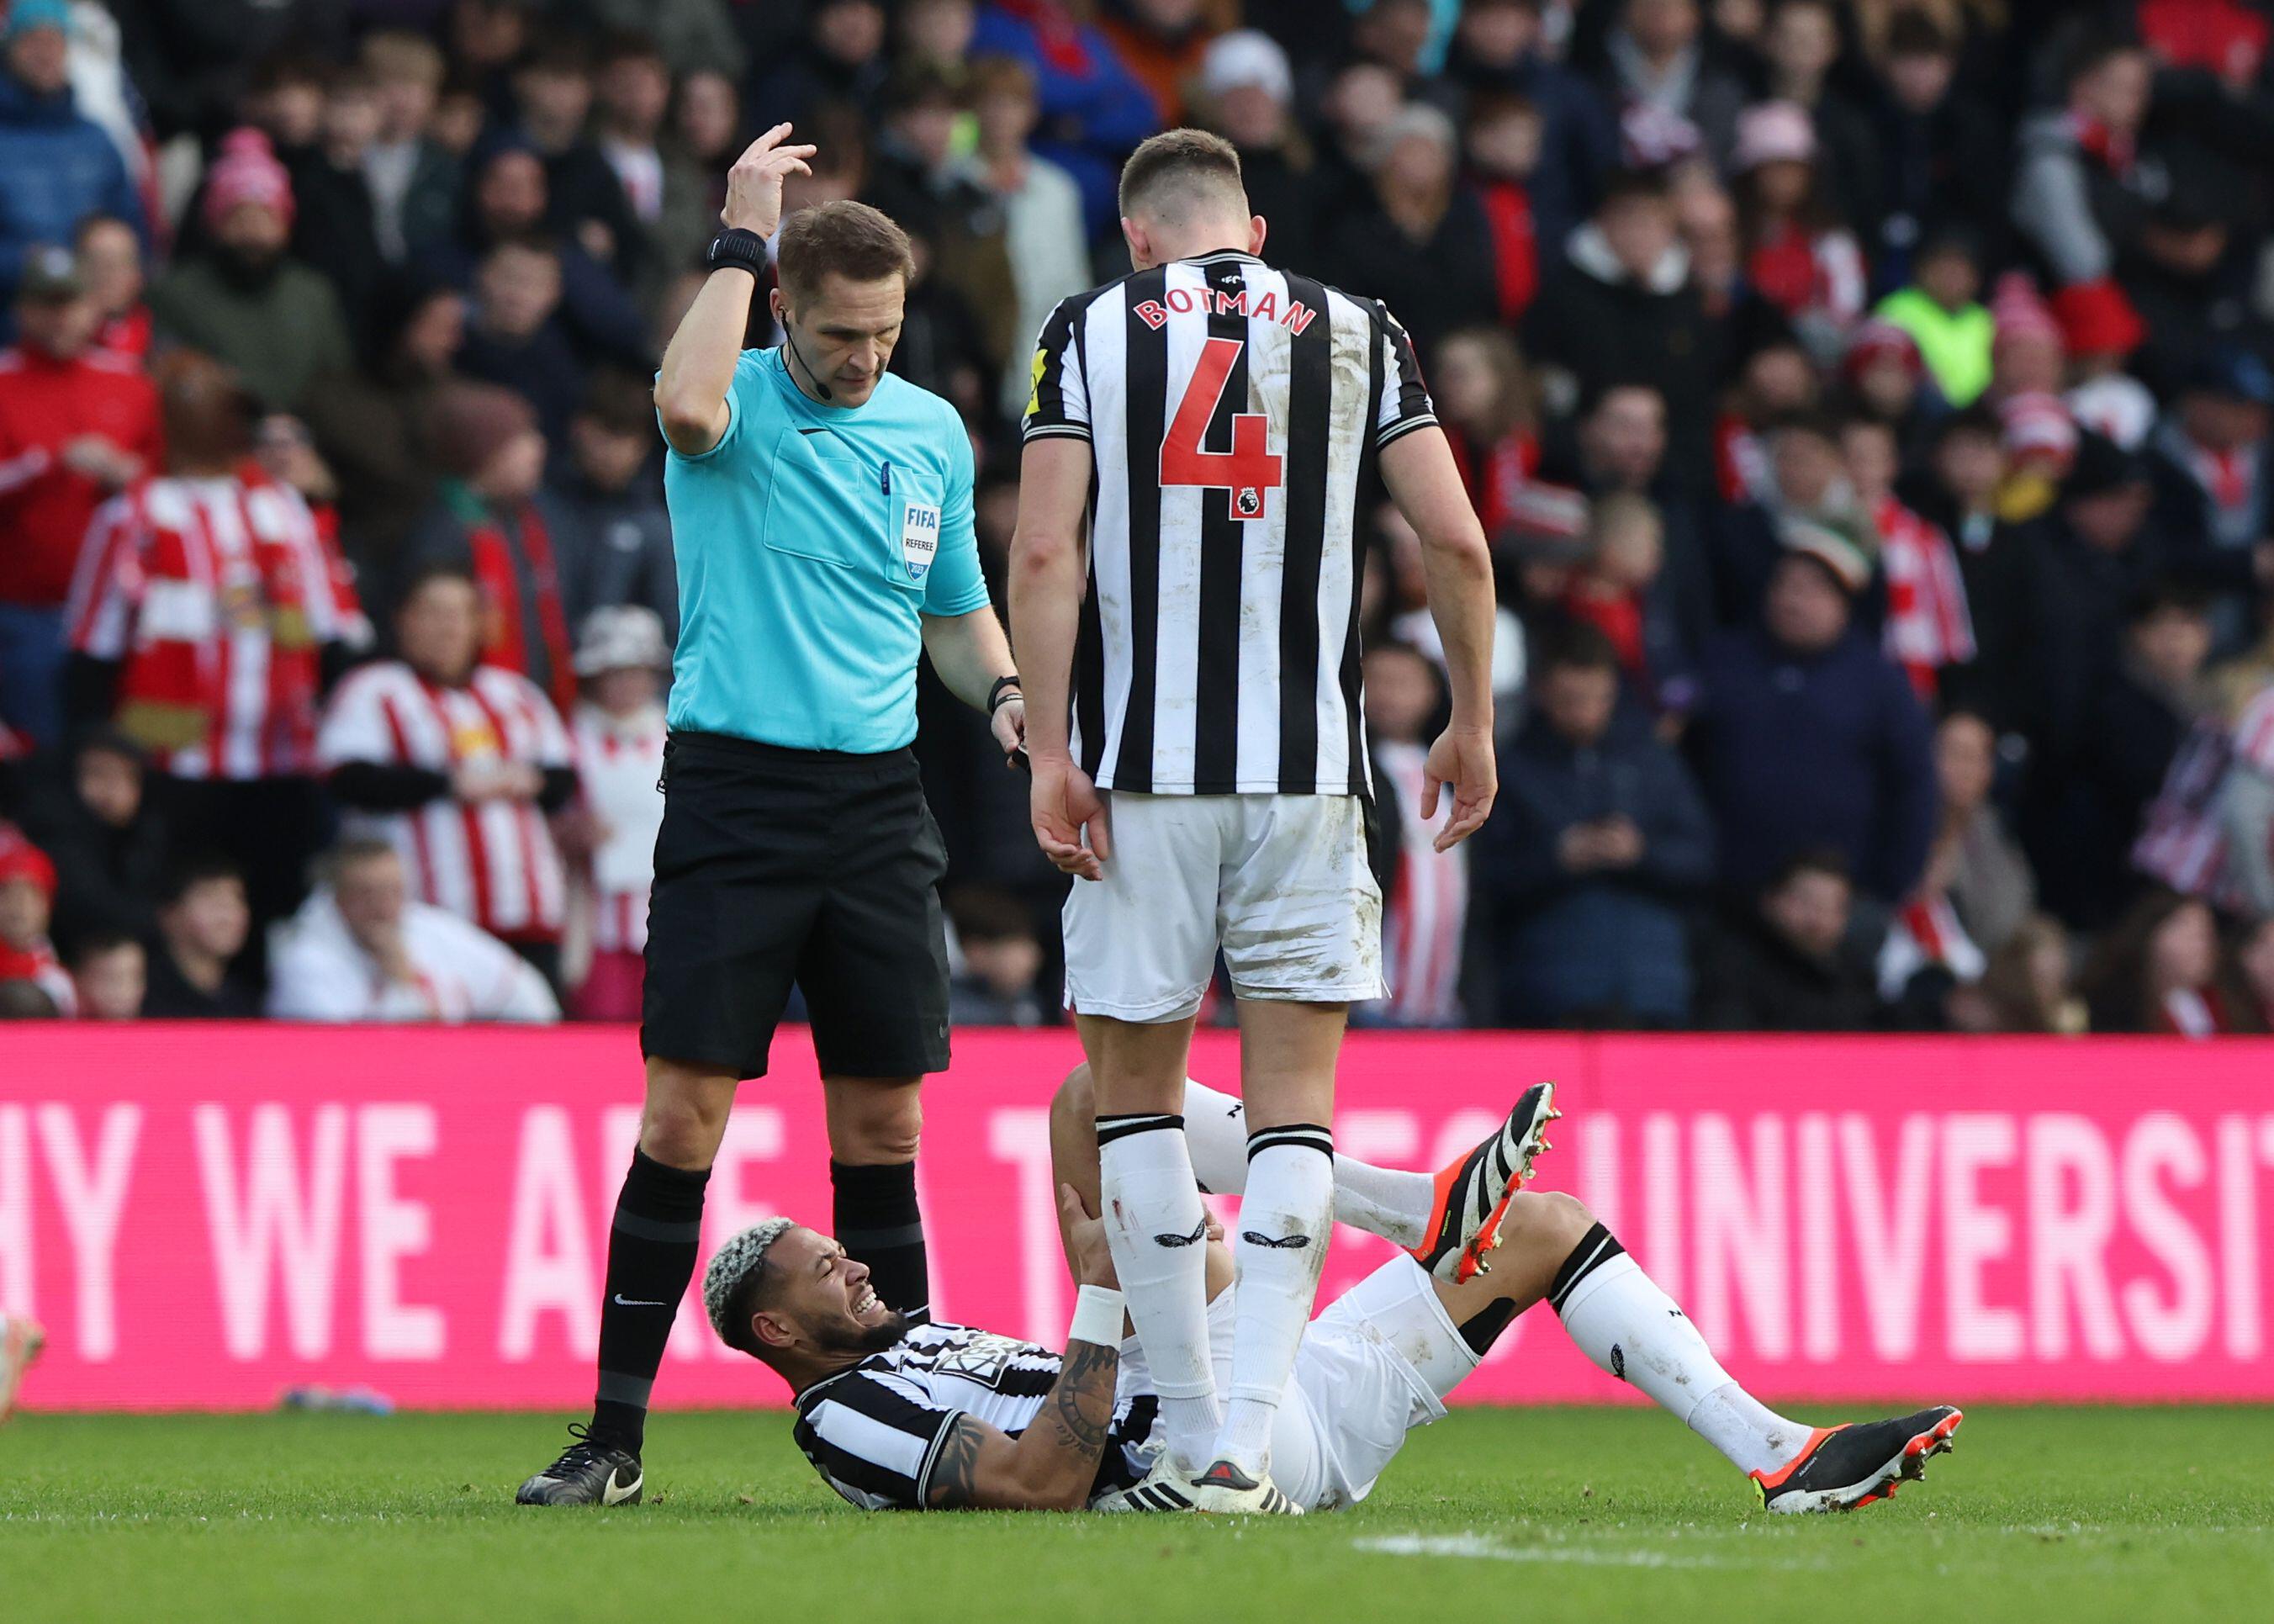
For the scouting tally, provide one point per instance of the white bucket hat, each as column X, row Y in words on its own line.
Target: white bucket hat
column 624, row 634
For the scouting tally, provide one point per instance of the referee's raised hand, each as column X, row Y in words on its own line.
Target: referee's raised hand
column 754, row 185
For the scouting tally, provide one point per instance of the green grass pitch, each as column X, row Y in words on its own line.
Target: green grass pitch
column 1598, row 1516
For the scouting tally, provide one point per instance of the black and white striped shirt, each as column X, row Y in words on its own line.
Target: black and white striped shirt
column 874, row 1431
column 1234, row 411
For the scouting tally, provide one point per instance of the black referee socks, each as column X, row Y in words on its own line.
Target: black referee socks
column 878, row 1224
column 651, row 1253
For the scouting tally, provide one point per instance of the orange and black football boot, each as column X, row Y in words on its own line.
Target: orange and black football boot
column 1844, row 1467
column 1474, row 1193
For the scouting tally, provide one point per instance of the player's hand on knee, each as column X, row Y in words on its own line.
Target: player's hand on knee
column 754, row 185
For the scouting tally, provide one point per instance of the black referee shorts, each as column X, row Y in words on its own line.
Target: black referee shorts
column 777, row 866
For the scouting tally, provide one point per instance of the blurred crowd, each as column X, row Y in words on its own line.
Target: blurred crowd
column 1868, row 403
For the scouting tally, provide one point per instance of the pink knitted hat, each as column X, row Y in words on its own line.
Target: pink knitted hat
column 2021, row 315
column 247, row 172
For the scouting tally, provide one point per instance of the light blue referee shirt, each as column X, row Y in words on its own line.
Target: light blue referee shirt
column 809, row 539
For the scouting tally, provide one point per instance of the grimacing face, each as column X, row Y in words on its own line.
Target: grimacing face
column 820, row 1301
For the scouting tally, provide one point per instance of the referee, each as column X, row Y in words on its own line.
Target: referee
column 822, row 514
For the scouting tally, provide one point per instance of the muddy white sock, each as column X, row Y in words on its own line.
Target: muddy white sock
column 1156, row 1229
column 1285, row 1217
column 1754, row 1436
column 1621, row 1320
column 1390, row 1202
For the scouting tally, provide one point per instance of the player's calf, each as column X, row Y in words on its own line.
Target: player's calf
column 1555, row 1249
column 652, row 1241
column 875, row 1127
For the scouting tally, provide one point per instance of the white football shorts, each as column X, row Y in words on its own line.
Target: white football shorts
column 1280, row 883
column 1377, row 1364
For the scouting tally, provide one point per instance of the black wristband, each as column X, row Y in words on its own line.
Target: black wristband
column 737, row 250
column 994, row 694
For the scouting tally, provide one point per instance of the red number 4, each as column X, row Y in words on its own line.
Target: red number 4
column 1243, row 473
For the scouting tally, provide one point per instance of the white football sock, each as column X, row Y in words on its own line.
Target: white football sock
column 1752, row 1436
column 1156, row 1229
column 1286, row 1219
column 1385, row 1201
column 1621, row 1320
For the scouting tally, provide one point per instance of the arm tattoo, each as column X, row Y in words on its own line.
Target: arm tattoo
column 1081, row 1403
column 953, row 1470
column 1079, row 1414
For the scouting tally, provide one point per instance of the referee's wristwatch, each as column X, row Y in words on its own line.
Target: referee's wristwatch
column 995, row 694
column 734, row 249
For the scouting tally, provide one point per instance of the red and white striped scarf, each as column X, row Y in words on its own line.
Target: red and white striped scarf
column 1926, row 932
column 2230, row 479
column 38, row 964
column 2182, row 840
column 1929, row 625
column 2192, row 1013
column 506, row 641
column 1741, row 461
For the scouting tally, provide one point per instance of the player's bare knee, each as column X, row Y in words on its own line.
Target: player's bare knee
column 1545, row 1222
column 680, row 1127
column 883, row 1125
column 1075, row 1103
column 1565, row 1220
column 885, row 1144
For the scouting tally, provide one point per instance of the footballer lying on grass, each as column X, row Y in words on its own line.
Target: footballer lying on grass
column 932, row 1416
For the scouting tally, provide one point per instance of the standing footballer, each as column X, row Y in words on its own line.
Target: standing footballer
column 822, row 509
column 1196, row 728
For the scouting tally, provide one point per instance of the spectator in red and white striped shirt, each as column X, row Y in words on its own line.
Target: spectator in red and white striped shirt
column 1426, row 900
column 621, row 659
column 456, row 763
column 2210, row 832
column 203, row 607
